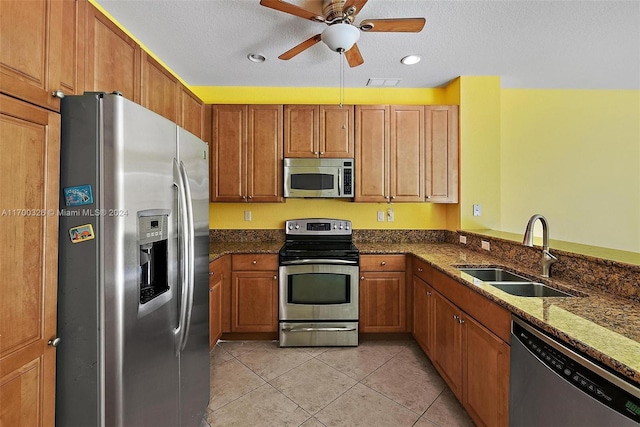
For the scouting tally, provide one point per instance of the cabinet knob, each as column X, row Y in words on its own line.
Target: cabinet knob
column 57, row 93
column 428, row 294
column 244, row 197
column 344, row 126
column 211, row 290
column 455, row 317
column 250, row 197
column 315, row 152
column 428, row 197
column 211, row 273
column 420, row 269
column 361, row 277
column 254, row 262
column 275, row 277
column 383, row 263
column 393, row 197
column 322, row 153
column 54, row 342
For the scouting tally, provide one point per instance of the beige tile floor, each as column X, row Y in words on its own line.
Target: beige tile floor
column 378, row 383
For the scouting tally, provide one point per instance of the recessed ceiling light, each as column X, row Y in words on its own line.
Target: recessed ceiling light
column 410, row 60
column 256, row 57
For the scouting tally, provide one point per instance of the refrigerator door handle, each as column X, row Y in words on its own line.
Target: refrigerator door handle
column 183, row 227
column 190, row 261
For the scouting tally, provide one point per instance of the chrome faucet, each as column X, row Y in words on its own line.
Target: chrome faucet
column 547, row 259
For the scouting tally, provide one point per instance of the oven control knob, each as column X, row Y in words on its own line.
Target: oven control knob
column 290, row 226
column 335, row 227
column 297, row 226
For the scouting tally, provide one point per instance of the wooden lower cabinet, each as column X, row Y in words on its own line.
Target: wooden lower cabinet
column 30, row 157
column 423, row 315
column 382, row 293
column 254, row 293
column 470, row 354
column 485, row 373
column 219, row 275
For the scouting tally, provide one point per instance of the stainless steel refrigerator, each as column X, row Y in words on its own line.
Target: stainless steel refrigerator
column 133, row 268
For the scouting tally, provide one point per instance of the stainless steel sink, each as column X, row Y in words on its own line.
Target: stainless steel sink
column 493, row 274
column 530, row 290
column 512, row 283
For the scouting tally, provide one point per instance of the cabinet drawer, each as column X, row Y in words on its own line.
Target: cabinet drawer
column 382, row 263
column 254, row 262
column 422, row 270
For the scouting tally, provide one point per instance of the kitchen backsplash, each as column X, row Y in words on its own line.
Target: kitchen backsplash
column 611, row 276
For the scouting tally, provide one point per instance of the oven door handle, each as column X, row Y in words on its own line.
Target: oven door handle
column 318, row 261
column 332, row 329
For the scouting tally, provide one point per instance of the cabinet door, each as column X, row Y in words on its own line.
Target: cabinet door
column 301, row 125
column 336, row 131
column 382, row 302
column 372, row 153
column 160, row 89
column 448, row 343
column 442, row 153
column 228, row 165
column 407, row 160
column 30, row 149
column 264, row 153
column 113, row 58
column 216, row 281
column 254, row 301
column 191, row 113
column 486, row 375
column 41, row 52
column 423, row 315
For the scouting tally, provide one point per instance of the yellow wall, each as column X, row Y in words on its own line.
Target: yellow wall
column 480, row 151
column 363, row 215
column 573, row 156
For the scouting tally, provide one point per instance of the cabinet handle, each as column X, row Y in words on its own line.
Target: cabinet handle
column 57, row 93
column 383, row 263
column 54, row 342
column 254, row 262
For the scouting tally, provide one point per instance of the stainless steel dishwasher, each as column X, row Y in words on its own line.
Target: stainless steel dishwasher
column 553, row 385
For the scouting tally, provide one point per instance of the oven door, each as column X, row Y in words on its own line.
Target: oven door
column 320, row 292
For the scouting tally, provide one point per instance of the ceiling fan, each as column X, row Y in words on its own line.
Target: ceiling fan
column 341, row 35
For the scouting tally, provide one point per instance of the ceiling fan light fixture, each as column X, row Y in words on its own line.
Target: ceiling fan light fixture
column 411, row 59
column 340, row 37
column 256, row 57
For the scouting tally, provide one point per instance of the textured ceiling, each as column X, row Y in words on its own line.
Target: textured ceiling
column 529, row 44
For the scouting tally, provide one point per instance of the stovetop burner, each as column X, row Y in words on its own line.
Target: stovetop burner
column 318, row 238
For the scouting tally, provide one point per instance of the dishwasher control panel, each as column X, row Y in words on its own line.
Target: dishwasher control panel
column 579, row 371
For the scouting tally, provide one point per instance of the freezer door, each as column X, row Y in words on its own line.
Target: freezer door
column 141, row 368
column 194, row 358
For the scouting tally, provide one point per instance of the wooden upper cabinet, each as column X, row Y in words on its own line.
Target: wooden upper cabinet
column 372, row 153
column 160, row 89
column 442, row 168
column 246, row 163
column 406, row 148
column 389, row 153
column 113, row 58
column 42, row 49
column 318, row 131
column 30, row 149
column 191, row 113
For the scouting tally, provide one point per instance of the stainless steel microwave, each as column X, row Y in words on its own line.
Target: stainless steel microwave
column 318, row 177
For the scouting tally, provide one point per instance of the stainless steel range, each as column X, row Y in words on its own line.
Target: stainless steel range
column 318, row 285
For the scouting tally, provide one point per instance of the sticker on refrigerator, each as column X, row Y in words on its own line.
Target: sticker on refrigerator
column 78, row 195
column 82, row 233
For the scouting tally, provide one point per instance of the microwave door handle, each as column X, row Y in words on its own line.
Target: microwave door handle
column 339, row 182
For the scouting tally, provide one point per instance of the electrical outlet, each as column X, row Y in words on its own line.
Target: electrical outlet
column 463, row 240
column 486, row 245
column 380, row 216
column 390, row 216
column 247, row 215
column 477, row 210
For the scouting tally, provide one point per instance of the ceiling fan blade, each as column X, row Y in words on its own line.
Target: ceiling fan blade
column 358, row 4
column 301, row 47
column 354, row 58
column 402, row 25
column 292, row 9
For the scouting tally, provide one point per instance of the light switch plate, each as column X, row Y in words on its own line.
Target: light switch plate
column 390, row 216
column 477, row 210
column 247, row 215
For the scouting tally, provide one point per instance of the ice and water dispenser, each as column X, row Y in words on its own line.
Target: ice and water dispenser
column 152, row 236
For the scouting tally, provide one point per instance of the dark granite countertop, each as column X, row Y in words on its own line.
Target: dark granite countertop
column 600, row 324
